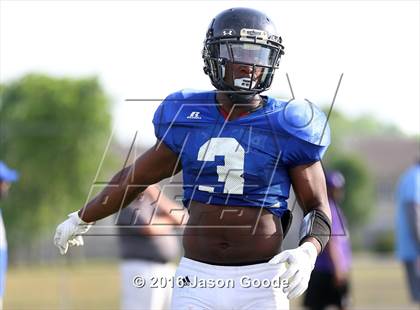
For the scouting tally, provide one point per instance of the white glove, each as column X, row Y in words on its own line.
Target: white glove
column 300, row 262
column 68, row 233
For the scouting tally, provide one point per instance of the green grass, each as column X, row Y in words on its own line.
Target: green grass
column 377, row 284
column 81, row 286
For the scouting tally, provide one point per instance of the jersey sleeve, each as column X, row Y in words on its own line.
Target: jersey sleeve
column 299, row 152
column 308, row 130
column 164, row 122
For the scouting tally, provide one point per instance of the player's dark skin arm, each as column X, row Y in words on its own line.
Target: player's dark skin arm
column 310, row 189
column 156, row 164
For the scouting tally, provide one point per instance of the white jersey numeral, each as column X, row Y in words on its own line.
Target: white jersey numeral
column 232, row 172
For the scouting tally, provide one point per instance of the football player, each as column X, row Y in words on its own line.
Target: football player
column 7, row 176
column 239, row 152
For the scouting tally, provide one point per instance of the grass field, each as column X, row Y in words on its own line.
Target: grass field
column 377, row 284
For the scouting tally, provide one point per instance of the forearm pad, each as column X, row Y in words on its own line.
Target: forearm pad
column 316, row 224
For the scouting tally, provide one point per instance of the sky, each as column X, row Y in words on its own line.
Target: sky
column 149, row 49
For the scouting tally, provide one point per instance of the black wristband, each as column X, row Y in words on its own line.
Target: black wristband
column 316, row 224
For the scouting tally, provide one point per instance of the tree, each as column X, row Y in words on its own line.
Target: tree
column 53, row 130
column 342, row 126
column 360, row 190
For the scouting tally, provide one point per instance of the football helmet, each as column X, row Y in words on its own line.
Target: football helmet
column 246, row 37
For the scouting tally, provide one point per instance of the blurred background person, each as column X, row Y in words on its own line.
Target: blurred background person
column 408, row 227
column 330, row 280
column 149, row 248
column 7, row 176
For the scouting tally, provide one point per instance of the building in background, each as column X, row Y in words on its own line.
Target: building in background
column 385, row 158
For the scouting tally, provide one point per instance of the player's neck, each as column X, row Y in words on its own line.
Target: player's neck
column 236, row 110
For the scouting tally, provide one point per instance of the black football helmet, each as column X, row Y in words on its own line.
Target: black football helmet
column 242, row 36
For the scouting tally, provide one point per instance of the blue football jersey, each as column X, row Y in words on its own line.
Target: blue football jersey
column 241, row 162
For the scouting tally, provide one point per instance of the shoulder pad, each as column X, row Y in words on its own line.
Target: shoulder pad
column 304, row 120
column 172, row 107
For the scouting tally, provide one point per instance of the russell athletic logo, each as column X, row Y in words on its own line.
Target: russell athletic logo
column 194, row 115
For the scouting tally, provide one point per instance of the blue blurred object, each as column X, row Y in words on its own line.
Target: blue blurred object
column 335, row 179
column 7, row 174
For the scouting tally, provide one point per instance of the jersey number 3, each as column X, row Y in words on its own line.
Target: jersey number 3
column 231, row 173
